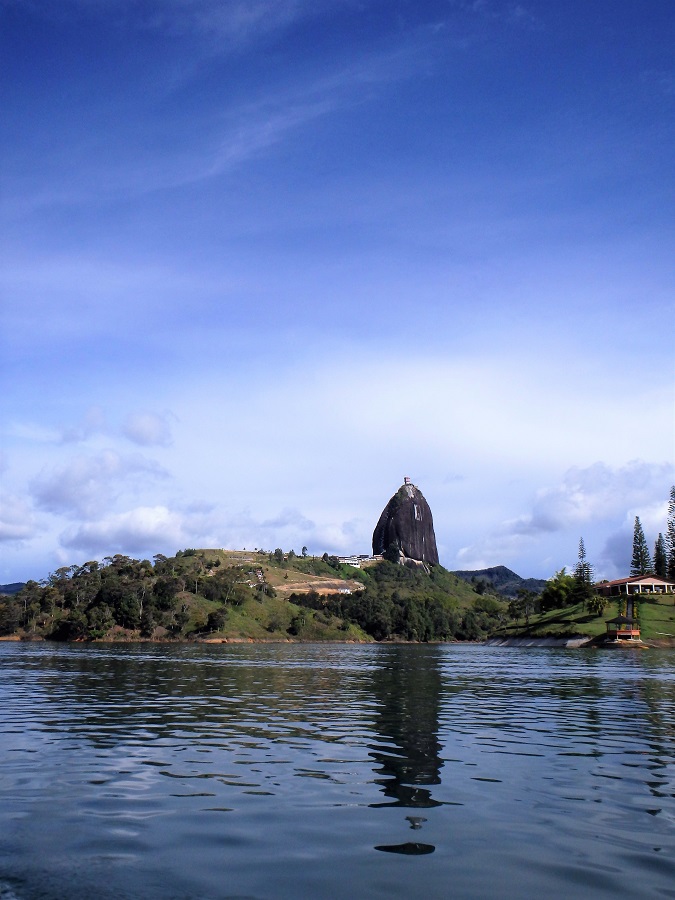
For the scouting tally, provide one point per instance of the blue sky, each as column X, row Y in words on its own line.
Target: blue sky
column 260, row 260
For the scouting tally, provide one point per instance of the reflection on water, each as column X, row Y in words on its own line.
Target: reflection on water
column 408, row 689
column 410, row 848
column 278, row 771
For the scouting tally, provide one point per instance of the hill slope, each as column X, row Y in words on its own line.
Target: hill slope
column 14, row 588
column 655, row 613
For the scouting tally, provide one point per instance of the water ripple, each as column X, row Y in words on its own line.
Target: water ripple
column 537, row 770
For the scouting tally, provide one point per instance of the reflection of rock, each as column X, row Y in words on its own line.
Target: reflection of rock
column 407, row 524
column 410, row 848
column 408, row 691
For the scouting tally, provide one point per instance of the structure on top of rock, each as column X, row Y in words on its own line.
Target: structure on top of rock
column 406, row 525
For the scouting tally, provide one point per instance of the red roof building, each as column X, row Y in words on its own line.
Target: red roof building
column 636, row 584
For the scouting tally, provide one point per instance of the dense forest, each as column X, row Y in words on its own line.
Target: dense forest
column 411, row 604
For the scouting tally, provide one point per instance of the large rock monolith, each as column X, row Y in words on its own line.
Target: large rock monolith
column 406, row 523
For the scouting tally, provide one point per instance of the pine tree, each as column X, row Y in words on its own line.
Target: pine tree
column 583, row 571
column 670, row 536
column 660, row 557
column 583, row 576
column 641, row 563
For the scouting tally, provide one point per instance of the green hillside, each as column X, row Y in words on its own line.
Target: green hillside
column 219, row 595
column 655, row 613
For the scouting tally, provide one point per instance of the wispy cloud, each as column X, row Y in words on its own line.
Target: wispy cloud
column 17, row 519
column 145, row 428
column 490, row 550
column 88, row 484
column 237, row 21
column 597, row 492
column 596, row 498
column 500, row 10
column 148, row 429
column 197, row 145
column 291, row 529
column 93, row 422
column 617, row 549
column 143, row 529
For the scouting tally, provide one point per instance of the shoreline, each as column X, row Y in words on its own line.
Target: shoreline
column 571, row 642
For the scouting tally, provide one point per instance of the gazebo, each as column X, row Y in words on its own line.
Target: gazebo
column 623, row 628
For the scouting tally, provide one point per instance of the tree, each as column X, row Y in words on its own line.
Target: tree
column 596, row 604
column 392, row 553
column 147, row 623
column 583, row 576
column 524, row 604
column 660, row 557
column 216, row 619
column 10, row 615
column 641, row 563
column 583, row 570
column 528, row 600
column 670, row 535
column 559, row 591
column 304, row 551
column 165, row 590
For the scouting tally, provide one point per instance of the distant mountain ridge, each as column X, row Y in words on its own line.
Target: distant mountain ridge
column 502, row 580
column 13, row 588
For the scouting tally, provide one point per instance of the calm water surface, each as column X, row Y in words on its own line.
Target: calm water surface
column 267, row 771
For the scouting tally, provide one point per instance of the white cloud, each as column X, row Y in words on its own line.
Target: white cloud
column 148, row 429
column 288, row 529
column 17, row 520
column 490, row 550
column 144, row 529
column 93, row 422
column 617, row 552
column 618, row 548
column 86, row 485
column 592, row 500
column 594, row 493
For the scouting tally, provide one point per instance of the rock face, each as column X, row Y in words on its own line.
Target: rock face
column 406, row 522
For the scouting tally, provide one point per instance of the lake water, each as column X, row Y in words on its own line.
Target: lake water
column 285, row 771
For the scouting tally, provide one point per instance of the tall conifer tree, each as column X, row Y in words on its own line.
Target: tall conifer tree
column 583, row 576
column 670, row 535
column 583, row 571
column 660, row 557
column 641, row 563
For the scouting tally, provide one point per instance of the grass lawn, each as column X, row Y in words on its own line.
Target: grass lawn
column 656, row 615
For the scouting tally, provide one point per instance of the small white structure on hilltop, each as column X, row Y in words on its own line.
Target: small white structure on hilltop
column 356, row 560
